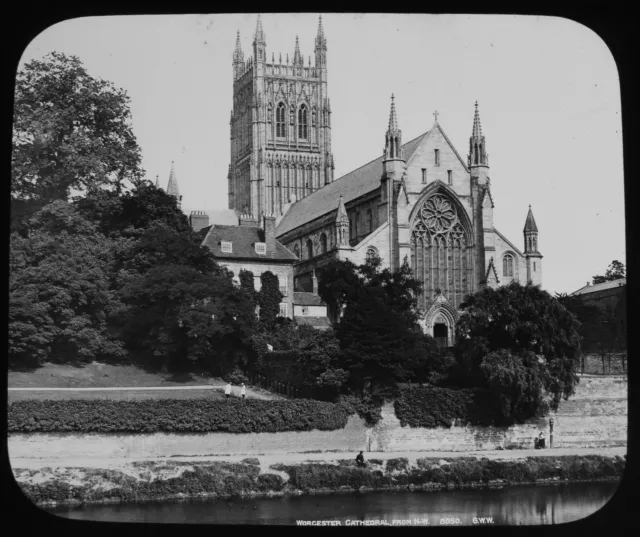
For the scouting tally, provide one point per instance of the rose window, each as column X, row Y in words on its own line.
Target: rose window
column 438, row 214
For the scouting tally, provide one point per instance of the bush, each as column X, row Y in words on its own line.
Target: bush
column 175, row 416
column 431, row 406
column 235, row 377
column 368, row 408
column 396, row 465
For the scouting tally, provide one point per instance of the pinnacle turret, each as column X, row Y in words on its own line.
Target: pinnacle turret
column 297, row 57
column 393, row 138
column 342, row 225
column 321, row 41
column 157, row 181
column 477, row 148
column 259, row 36
column 530, row 224
column 238, row 55
column 172, row 187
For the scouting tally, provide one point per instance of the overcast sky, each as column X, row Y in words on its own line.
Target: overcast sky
column 547, row 89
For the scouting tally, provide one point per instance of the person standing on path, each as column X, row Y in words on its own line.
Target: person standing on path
column 243, row 391
column 227, row 390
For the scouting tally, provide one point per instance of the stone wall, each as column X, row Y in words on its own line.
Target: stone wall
column 140, row 446
column 595, row 417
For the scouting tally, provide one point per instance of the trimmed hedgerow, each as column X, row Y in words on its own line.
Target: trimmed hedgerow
column 432, row 406
column 175, row 416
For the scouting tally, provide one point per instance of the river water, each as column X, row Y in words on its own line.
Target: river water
column 520, row 505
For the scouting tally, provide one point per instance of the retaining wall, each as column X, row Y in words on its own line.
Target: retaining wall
column 595, row 417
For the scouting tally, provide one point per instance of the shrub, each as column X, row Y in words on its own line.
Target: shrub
column 175, row 416
column 367, row 407
column 398, row 464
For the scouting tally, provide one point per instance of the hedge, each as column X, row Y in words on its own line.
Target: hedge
column 431, row 406
column 175, row 416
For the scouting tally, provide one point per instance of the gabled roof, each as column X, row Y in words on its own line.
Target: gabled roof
column 492, row 269
column 352, row 185
column 587, row 289
column 508, row 242
column 243, row 239
column 307, row 299
column 444, row 135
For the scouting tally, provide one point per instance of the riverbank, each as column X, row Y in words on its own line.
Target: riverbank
column 277, row 475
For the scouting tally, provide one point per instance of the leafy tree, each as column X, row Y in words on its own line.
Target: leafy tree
column 71, row 131
column 521, row 320
column 269, row 298
column 615, row 271
column 379, row 334
column 60, row 297
column 248, row 286
column 182, row 306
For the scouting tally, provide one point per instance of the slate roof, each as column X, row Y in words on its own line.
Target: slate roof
column 530, row 224
column 352, row 185
column 243, row 239
column 587, row 289
column 307, row 299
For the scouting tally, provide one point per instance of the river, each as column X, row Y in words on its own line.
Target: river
column 526, row 505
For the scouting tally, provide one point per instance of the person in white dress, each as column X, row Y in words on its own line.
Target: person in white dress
column 227, row 390
column 243, row 391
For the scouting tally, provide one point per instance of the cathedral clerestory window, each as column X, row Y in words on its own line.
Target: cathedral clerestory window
column 280, row 121
column 302, row 122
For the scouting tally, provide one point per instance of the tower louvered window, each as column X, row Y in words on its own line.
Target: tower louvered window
column 302, row 122
column 280, row 124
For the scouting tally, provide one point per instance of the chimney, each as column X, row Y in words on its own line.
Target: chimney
column 248, row 220
column 315, row 283
column 269, row 226
column 198, row 220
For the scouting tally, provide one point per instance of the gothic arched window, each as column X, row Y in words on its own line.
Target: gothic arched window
column 296, row 251
column 323, row 244
column 302, row 122
column 507, row 266
column 370, row 220
column 280, row 124
column 441, row 250
column 309, row 249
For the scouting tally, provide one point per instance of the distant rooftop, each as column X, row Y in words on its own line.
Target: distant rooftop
column 594, row 288
column 243, row 240
column 301, row 298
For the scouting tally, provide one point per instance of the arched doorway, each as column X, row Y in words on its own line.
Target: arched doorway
column 441, row 334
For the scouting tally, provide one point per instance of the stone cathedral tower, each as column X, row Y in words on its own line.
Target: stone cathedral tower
column 280, row 127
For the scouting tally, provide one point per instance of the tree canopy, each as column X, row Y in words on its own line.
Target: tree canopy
column 615, row 271
column 379, row 334
column 528, row 325
column 71, row 132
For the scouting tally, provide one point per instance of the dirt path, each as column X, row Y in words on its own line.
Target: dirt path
column 297, row 458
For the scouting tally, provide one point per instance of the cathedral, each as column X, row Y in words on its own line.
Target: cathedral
column 418, row 202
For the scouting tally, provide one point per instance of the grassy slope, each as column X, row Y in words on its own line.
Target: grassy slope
column 96, row 375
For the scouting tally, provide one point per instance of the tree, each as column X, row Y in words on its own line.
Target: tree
column 615, row 271
column 379, row 334
column 519, row 320
column 269, row 298
column 71, row 131
column 60, row 298
column 182, row 306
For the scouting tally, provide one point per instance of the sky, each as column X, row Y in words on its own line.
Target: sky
column 547, row 89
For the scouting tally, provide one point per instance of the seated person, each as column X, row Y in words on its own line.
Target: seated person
column 541, row 441
column 360, row 460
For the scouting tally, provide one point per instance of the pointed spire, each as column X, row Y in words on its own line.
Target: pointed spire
column 342, row 225
column 321, row 42
column 259, row 36
column 297, row 57
column 393, row 118
column 477, row 127
column 238, row 55
column 172, row 187
column 477, row 147
column 530, row 224
column 157, row 181
column 342, row 211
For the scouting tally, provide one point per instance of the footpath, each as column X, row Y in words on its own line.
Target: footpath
column 267, row 460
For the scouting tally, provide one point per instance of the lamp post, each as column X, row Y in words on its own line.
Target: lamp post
column 550, row 433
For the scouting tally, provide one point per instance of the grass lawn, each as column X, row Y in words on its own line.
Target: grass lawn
column 97, row 375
